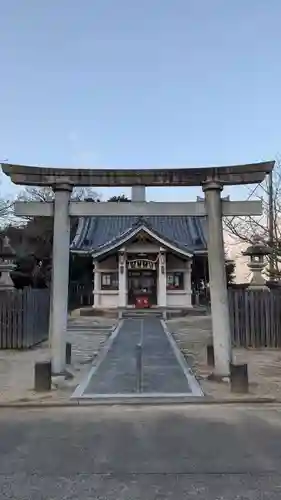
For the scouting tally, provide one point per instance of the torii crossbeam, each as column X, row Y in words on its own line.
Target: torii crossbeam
column 91, row 209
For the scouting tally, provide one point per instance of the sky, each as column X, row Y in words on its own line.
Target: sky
column 140, row 83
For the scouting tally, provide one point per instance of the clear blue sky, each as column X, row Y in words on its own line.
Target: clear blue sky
column 140, row 83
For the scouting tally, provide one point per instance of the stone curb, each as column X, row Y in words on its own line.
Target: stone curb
column 192, row 401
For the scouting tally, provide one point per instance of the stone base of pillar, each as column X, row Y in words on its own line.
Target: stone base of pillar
column 6, row 287
column 189, row 300
column 62, row 381
column 96, row 301
column 65, row 374
column 214, row 377
column 257, row 282
column 6, row 282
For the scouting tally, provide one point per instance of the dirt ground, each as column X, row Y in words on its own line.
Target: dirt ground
column 191, row 333
column 17, row 367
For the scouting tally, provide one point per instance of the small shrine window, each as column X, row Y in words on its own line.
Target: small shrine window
column 109, row 281
column 175, row 281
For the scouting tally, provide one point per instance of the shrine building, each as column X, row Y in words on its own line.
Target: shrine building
column 142, row 261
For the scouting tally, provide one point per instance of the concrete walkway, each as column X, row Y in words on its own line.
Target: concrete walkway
column 164, row 370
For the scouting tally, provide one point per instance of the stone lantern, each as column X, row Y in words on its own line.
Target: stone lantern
column 7, row 264
column 257, row 253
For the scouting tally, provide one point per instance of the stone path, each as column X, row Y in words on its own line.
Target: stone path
column 162, row 371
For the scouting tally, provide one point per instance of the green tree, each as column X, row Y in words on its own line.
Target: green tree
column 121, row 198
column 230, row 271
column 32, row 238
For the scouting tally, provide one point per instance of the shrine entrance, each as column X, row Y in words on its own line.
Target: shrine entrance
column 142, row 279
column 142, row 284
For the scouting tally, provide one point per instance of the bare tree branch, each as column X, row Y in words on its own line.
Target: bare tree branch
column 6, row 205
column 47, row 194
column 246, row 228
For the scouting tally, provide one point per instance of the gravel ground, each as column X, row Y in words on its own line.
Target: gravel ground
column 264, row 365
column 87, row 336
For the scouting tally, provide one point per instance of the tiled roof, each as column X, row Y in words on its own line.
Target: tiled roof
column 96, row 234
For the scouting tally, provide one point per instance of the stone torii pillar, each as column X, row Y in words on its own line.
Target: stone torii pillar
column 217, row 278
column 59, row 299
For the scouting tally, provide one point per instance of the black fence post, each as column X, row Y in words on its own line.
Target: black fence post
column 210, row 355
column 42, row 376
column 139, row 367
column 239, row 378
column 68, row 353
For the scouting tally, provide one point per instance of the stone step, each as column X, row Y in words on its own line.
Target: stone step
column 87, row 328
column 92, row 312
column 87, row 313
column 141, row 313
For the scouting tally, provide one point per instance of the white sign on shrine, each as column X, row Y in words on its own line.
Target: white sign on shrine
column 142, row 264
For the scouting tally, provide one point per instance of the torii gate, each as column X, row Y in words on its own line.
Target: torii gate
column 213, row 207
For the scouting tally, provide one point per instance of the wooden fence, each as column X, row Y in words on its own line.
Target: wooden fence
column 24, row 318
column 255, row 318
column 79, row 295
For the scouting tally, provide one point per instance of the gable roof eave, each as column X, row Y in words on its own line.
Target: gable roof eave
column 125, row 237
